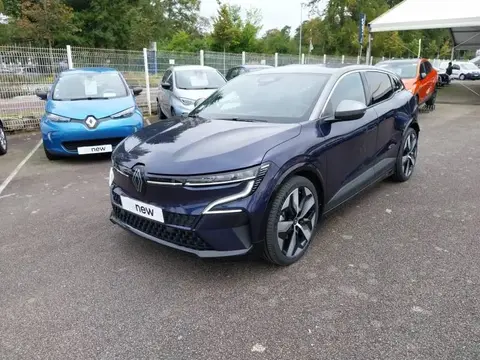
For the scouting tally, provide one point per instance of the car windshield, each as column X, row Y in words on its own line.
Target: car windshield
column 406, row 70
column 89, row 86
column 468, row 66
column 271, row 97
column 198, row 79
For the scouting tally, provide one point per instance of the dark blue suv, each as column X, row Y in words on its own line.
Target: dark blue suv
column 256, row 164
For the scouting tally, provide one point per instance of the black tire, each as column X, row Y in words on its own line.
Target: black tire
column 172, row 111
column 3, row 142
column 400, row 175
column 461, row 77
column 433, row 99
column 49, row 155
column 161, row 115
column 272, row 251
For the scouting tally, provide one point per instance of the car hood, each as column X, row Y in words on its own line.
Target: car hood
column 80, row 109
column 197, row 146
column 409, row 83
column 194, row 94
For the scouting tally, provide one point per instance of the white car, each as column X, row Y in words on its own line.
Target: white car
column 182, row 86
column 463, row 70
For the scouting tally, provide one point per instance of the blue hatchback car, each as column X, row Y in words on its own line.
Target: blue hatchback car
column 88, row 111
column 257, row 163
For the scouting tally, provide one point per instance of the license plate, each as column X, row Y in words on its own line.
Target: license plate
column 98, row 149
column 140, row 208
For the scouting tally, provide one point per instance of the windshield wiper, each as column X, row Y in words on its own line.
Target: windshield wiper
column 242, row 119
column 91, row 98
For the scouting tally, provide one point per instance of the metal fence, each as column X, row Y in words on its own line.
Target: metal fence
column 25, row 69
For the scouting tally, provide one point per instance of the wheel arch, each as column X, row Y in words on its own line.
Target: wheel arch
column 305, row 170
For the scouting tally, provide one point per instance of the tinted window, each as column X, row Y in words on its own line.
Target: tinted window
column 404, row 69
column 89, row 85
column 422, row 68
column 397, row 84
column 233, row 73
column 166, row 75
column 198, row 79
column 349, row 88
column 380, row 86
column 428, row 67
column 277, row 97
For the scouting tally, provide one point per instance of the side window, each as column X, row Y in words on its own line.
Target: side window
column 170, row 78
column 348, row 88
column 428, row 67
column 380, row 86
column 166, row 75
column 232, row 73
column 422, row 68
column 397, row 84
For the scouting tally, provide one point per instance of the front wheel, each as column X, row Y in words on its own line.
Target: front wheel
column 49, row 155
column 3, row 142
column 407, row 156
column 292, row 221
column 461, row 77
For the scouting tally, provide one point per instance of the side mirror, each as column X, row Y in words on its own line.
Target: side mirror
column 42, row 94
column 166, row 86
column 423, row 75
column 350, row 110
column 137, row 90
column 198, row 102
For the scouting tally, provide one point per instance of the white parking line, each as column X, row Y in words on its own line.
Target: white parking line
column 19, row 166
column 473, row 91
column 148, row 122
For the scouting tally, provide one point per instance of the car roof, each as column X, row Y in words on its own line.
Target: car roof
column 398, row 61
column 90, row 69
column 315, row 69
column 191, row 67
column 253, row 66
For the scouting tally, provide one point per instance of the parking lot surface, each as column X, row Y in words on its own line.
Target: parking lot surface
column 391, row 275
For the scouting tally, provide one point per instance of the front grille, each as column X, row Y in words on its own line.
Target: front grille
column 169, row 217
column 73, row 145
column 172, row 235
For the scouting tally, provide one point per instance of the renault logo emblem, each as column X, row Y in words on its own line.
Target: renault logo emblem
column 137, row 178
column 91, row 122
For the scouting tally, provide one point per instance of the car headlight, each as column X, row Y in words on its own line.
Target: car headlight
column 110, row 177
column 124, row 114
column 186, row 101
column 57, row 118
column 412, row 91
column 256, row 172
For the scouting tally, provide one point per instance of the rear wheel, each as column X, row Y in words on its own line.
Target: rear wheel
column 160, row 113
column 292, row 221
column 462, row 77
column 49, row 155
column 407, row 156
column 431, row 102
column 3, row 142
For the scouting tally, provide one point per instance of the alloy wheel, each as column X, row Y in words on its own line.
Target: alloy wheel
column 3, row 139
column 296, row 223
column 409, row 157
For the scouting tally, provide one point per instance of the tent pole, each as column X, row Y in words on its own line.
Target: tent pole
column 369, row 48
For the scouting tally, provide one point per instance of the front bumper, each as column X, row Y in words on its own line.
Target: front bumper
column 211, row 235
column 471, row 76
column 65, row 138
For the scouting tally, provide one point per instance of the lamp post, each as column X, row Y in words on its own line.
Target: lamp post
column 300, row 40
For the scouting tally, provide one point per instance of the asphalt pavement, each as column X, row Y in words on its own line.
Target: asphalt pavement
column 394, row 274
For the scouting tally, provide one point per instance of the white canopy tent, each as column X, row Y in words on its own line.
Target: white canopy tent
column 461, row 17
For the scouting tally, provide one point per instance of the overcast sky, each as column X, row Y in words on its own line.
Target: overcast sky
column 275, row 13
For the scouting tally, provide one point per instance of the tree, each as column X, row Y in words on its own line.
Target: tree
column 226, row 32
column 47, row 22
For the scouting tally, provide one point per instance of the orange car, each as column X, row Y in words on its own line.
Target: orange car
column 419, row 77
